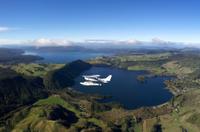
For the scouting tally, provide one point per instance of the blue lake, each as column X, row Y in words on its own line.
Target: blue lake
column 126, row 89
column 65, row 57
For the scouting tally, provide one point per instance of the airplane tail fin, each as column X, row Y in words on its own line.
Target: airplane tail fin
column 108, row 78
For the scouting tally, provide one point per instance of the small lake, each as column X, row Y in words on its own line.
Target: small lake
column 65, row 57
column 126, row 89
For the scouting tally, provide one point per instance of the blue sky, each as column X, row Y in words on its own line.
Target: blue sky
column 77, row 20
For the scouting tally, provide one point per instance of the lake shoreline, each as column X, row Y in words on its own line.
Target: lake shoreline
column 111, row 99
column 147, row 74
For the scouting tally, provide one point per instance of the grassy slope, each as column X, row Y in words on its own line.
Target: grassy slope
column 34, row 69
column 144, row 57
column 36, row 121
column 150, row 62
column 57, row 100
column 159, row 63
column 186, row 115
column 172, row 67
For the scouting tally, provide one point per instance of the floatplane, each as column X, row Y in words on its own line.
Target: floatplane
column 88, row 83
column 95, row 80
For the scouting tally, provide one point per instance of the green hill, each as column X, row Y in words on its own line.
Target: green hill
column 64, row 77
column 17, row 90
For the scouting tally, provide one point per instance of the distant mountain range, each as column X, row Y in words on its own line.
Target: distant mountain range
column 11, row 56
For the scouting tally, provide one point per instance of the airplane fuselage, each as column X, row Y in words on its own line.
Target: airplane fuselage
column 90, row 79
column 90, row 83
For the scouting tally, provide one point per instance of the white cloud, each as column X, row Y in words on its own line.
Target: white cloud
column 4, row 29
column 99, row 41
column 132, row 41
column 160, row 41
column 102, row 41
column 9, row 41
column 41, row 42
column 49, row 42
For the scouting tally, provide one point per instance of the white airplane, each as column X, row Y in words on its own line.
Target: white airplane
column 87, row 83
column 90, row 79
column 105, row 80
column 91, row 76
